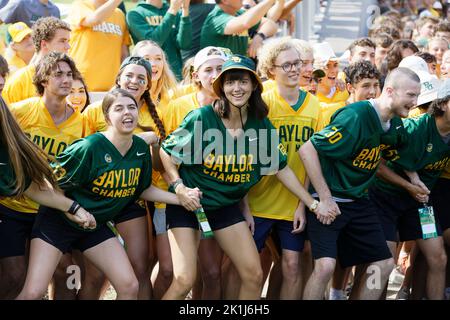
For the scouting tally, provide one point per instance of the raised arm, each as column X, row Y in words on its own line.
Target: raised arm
column 101, row 13
column 248, row 19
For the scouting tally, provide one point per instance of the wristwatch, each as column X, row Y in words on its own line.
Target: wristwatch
column 313, row 206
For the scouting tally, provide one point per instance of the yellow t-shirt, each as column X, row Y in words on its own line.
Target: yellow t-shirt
column 174, row 113
column 20, row 85
column 269, row 198
column 14, row 62
column 97, row 50
column 326, row 111
column 338, row 96
column 184, row 90
column 269, row 85
column 35, row 120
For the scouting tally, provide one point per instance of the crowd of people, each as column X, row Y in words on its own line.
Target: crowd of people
column 129, row 137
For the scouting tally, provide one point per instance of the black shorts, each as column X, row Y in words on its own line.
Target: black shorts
column 398, row 215
column 15, row 231
column 51, row 227
column 135, row 209
column 179, row 217
column 440, row 196
column 355, row 237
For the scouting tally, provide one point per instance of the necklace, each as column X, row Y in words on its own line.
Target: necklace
column 63, row 118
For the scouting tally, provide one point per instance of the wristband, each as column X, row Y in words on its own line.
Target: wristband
column 74, row 208
column 262, row 35
column 176, row 183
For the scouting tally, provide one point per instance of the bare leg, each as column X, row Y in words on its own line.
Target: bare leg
column 321, row 275
column 165, row 268
column 110, row 258
column 290, row 289
column 246, row 259
column 434, row 252
column 42, row 264
column 12, row 277
column 210, row 259
column 184, row 244
column 134, row 233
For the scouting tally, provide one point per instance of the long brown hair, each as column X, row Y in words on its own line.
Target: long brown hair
column 257, row 107
column 27, row 159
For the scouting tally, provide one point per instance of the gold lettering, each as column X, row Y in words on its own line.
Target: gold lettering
column 110, row 180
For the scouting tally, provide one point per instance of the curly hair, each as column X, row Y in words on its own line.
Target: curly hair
column 45, row 29
column 436, row 108
column 355, row 72
column 269, row 53
column 48, row 64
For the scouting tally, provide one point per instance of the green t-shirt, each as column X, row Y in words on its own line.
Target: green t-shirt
column 351, row 146
column 172, row 33
column 94, row 173
column 222, row 167
column 424, row 152
column 7, row 175
column 198, row 13
column 213, row 32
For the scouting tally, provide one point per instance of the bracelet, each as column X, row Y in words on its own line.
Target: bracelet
column 176, row 183
column 74, row 208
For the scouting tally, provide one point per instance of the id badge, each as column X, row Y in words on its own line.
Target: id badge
column 427, row 222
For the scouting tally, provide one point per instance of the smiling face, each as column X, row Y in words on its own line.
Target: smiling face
column 78, row 95
column 134, row 80
column 122, row 115
column 238, row 89
column 445, row 66
column 404, row 97
column 286, row 68
column 331, row 72
column 437, row 47
column 365, row 89
column 306, row 69
column 155, row 56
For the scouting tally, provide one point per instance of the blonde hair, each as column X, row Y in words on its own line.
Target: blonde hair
column 303, row 47
column 437, row 39
column 270, row 51
column 167, row 81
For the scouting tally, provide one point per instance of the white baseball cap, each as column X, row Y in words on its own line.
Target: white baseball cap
column 414, row 63
column 206, row 54
column 323, row 53
column 429, row 83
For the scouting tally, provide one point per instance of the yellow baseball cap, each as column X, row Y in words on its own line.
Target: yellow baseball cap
column 18, row 31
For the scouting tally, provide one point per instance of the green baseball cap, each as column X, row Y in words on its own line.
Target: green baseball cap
column 237, row 61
